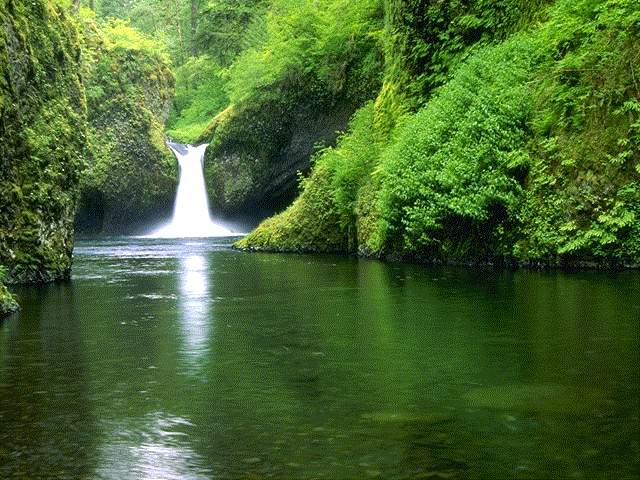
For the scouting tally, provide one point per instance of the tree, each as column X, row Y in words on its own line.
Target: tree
column 222, row 27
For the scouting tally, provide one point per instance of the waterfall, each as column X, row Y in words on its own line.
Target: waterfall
column 191, row 216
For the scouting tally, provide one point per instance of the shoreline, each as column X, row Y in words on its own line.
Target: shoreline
column 557, row 264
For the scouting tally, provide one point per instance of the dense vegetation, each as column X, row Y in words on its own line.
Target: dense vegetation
column 75, row 94
column 312, row 65
column 472, row 130
column 263, row 82
column 512, row 140
column 43, row 132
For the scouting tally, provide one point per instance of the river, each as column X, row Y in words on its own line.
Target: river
column 176, row 359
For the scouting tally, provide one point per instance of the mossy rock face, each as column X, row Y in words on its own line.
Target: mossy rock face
column 43, row 130
column 310, row 224
column 257, row 148
column 132, row 176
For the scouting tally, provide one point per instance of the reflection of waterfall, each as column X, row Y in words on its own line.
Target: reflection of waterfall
column 191, row 212
column 155, row 446
column 194, row 308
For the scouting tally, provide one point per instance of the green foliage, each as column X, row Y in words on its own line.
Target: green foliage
column 427, row 41
column 188, row 28
column 200, row 96
column 8, row 304
column 583, row 198
column 310, row 224
column 312, row 65
column 450, row 180
column 227, row 27
column 118, row 34
column 351, row 164
column 327, row 46
column 528, row 150
column 132, row 175
column 166, row 22
column 323, row 218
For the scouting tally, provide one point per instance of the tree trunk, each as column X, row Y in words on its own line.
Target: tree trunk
column 195, row 10
column 183, row 52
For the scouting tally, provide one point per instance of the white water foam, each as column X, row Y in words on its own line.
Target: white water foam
column 191, row 216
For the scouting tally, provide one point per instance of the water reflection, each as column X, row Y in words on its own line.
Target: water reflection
column 194, row 303
column 46, row 421
column 150, row 448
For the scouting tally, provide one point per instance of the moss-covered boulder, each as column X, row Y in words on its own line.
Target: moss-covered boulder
column 258, row 147
column 132, row 176
column 43, row 132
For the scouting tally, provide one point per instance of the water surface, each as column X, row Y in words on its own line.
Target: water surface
column 187, row 360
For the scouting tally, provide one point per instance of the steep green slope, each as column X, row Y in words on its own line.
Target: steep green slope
column 528, row 151
column 43, row 132
column 132, row 176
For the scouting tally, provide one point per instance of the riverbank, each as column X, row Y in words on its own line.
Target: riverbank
column 8, row 304
column 557, row 263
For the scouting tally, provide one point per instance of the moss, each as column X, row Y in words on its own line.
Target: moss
column 324, row 217
column 310, row 224
column 8, row 304
column 132, row 176
column 43, row 131
column 583, row 189
column 314, row 66
column 368, row 218
column 257, row 147
column 493, row 146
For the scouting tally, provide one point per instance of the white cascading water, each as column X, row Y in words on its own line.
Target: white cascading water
column 191, row 216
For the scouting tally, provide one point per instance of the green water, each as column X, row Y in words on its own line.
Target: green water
column 187, row 360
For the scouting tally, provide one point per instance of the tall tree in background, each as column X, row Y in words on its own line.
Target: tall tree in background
column 223, row 25
column 195, row 13
column 114, row 8
column 189, row 28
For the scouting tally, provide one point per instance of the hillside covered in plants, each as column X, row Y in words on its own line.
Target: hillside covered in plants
column 83, row 107
column 466, row 131
column 43, row 130
column 503, row 131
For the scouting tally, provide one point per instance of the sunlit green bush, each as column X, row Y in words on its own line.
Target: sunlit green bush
column 529, row 150
column 200, row 95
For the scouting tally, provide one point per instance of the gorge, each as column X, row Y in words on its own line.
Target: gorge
column 440, row 275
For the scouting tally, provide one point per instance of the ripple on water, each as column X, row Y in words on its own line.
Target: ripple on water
column 153, row 446
column 153, row 296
